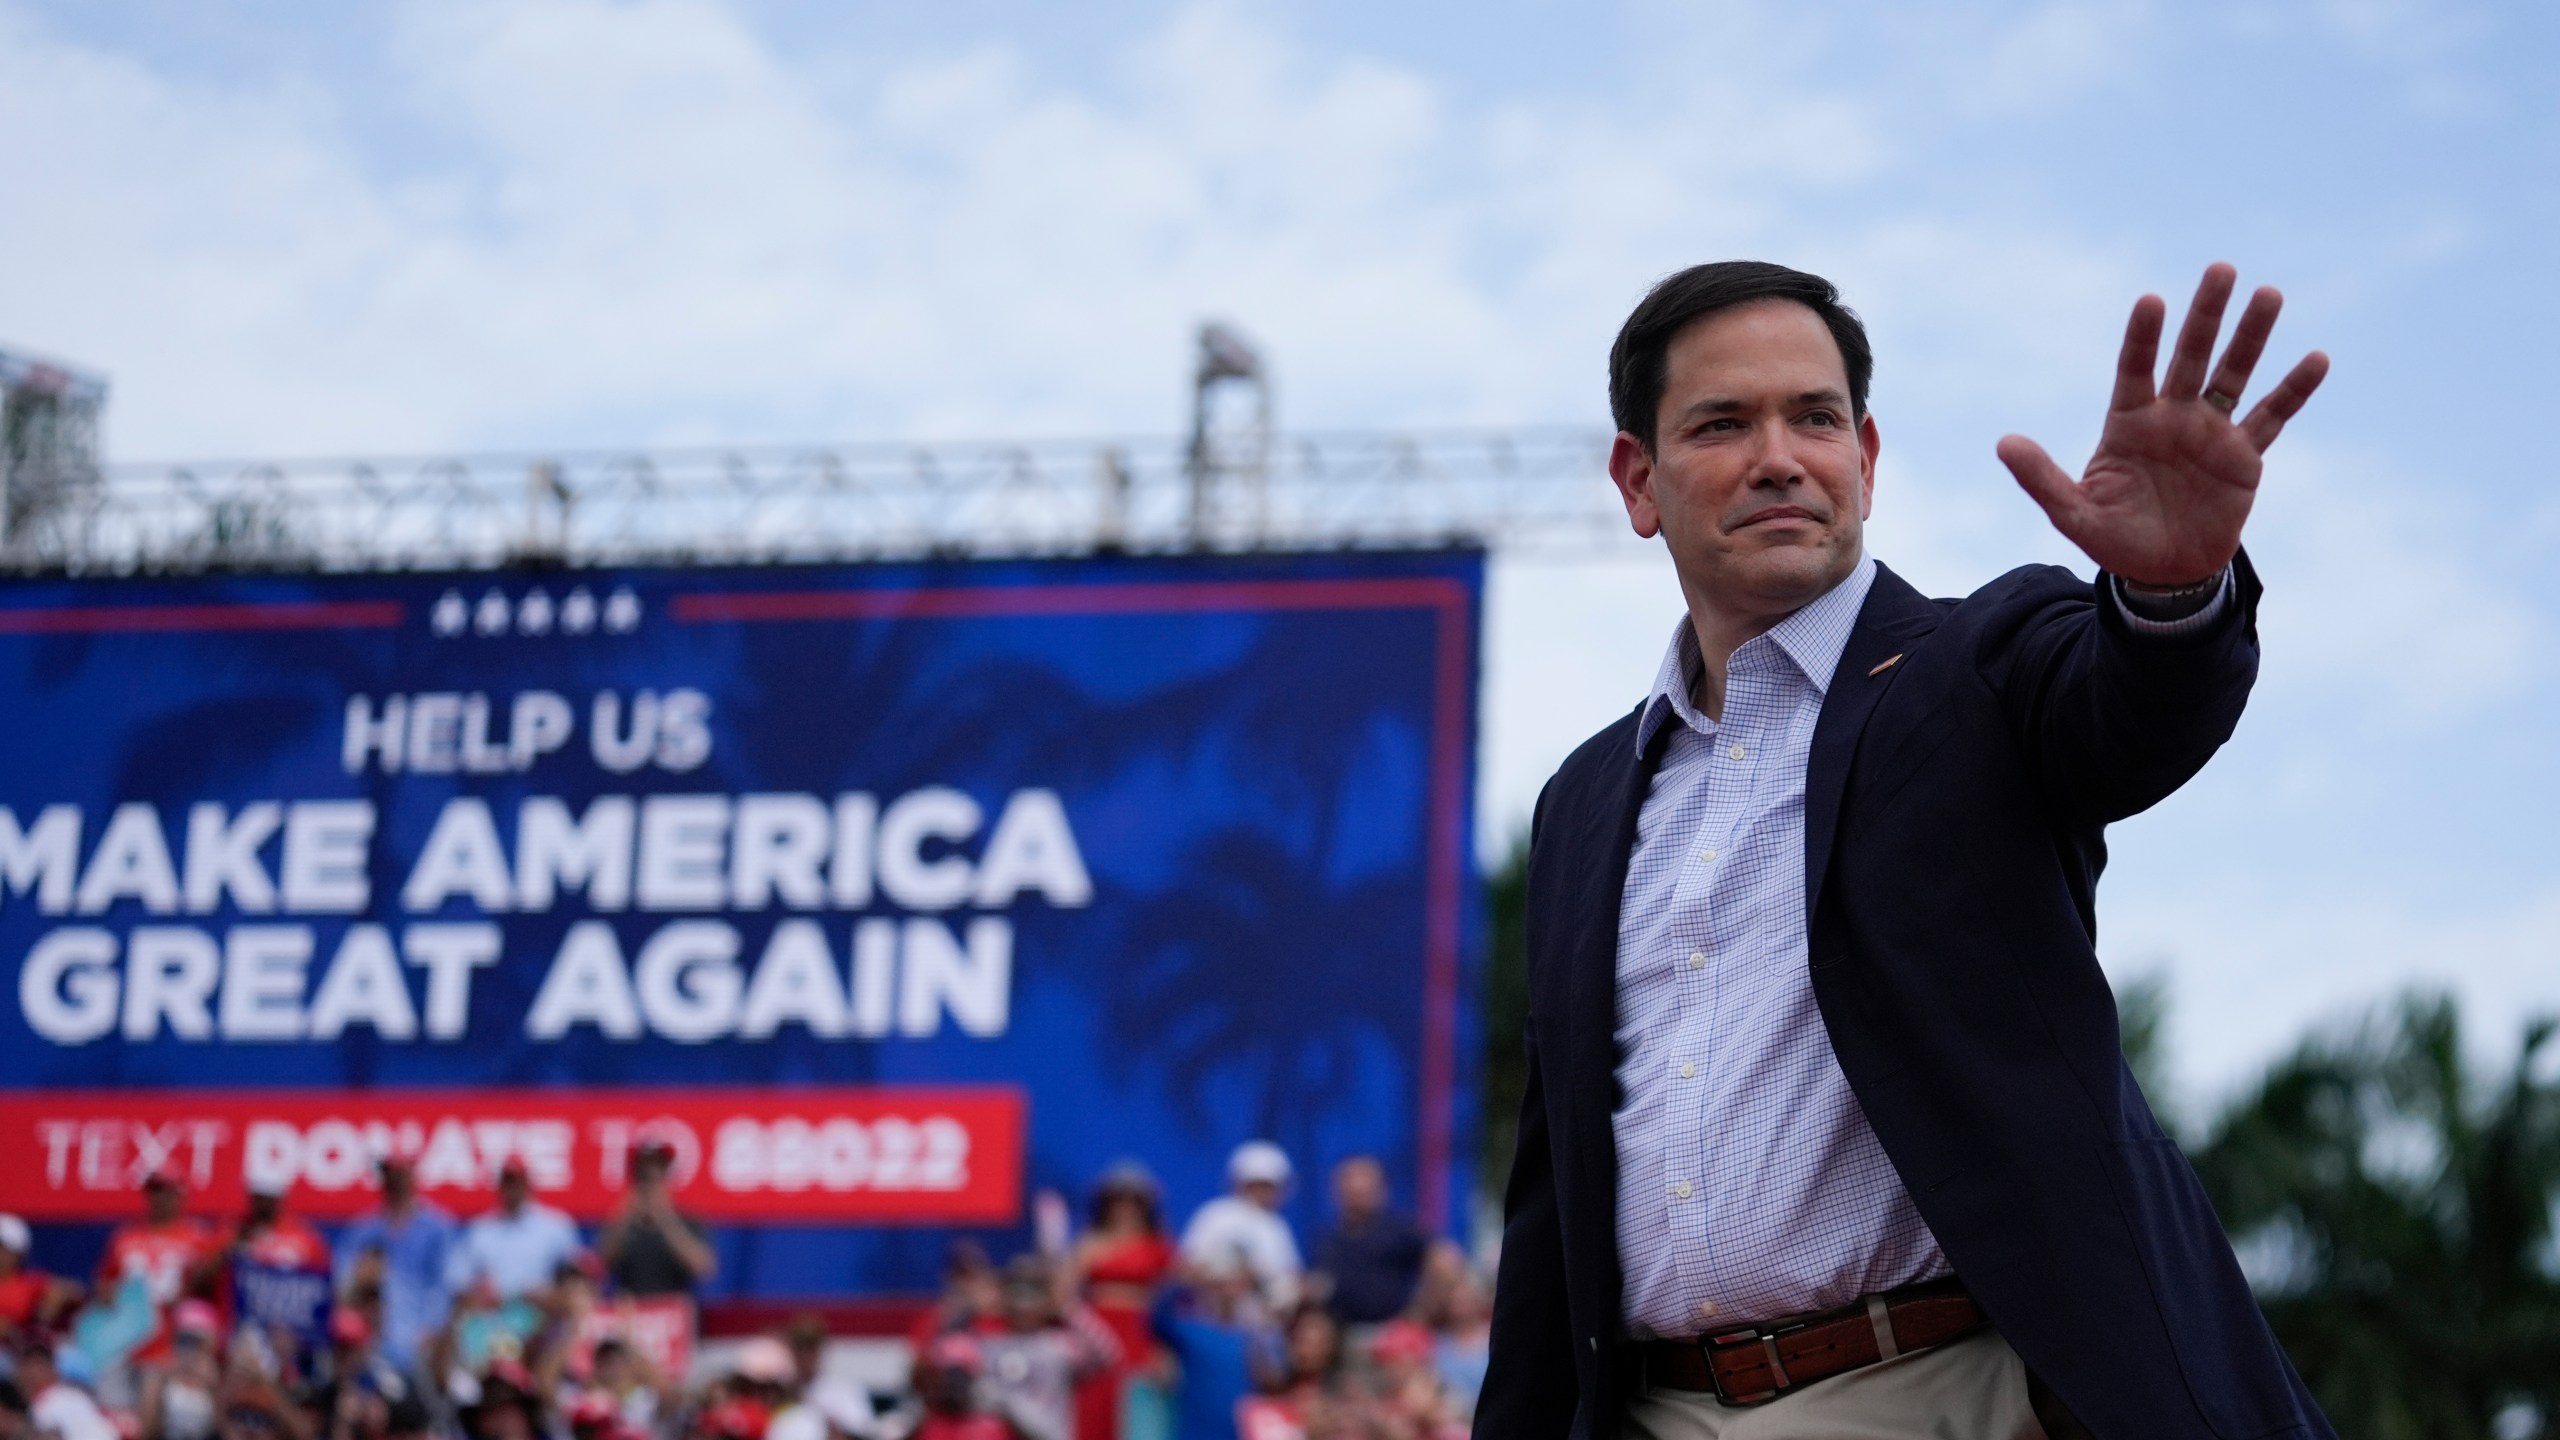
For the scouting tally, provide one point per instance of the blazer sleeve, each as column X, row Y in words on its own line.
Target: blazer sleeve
column 1529, row 1386
column 2112, row 721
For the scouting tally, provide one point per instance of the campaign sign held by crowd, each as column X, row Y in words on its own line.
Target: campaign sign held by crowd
column 288, row 1299
column 881, row 895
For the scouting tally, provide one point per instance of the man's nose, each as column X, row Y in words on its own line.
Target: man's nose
column 1774, row 464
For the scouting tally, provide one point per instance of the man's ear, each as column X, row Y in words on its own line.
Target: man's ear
column 1631, row 468
column 1870, row 445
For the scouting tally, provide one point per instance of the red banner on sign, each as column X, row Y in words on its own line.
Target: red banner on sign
column 841, row 1155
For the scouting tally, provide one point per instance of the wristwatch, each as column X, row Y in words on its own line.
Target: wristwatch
column 2153, row 602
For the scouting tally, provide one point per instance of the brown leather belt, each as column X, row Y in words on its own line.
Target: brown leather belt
column 1751, row 1364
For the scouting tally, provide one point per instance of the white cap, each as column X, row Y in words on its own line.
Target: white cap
column 763, row 1358
column 847, row 1407
column 798, row 1422
column 1258, row 1160
column 13, row 1234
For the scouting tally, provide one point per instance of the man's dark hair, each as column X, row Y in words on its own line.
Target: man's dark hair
column 1640, row 360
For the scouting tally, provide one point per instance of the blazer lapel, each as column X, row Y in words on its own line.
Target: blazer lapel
column 1608, row 837
column 1893, row 617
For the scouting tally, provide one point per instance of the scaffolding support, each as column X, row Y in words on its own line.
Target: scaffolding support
column 1531, row 489
column 49, row 470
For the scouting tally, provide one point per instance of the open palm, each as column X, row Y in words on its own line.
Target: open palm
column 2165, row 496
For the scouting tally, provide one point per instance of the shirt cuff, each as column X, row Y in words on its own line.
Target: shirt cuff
column 2141, row 624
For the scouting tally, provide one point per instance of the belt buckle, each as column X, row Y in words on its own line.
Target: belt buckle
column 1765, row 1337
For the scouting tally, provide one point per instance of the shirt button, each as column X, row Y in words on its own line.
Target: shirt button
column 1680, row 1189
column 1697, row 959
column 1707, row 1308
column 1688, row 1072
column 1735, row 753
column 1706, row 854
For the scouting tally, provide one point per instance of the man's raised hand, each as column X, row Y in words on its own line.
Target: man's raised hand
column 2165, row 496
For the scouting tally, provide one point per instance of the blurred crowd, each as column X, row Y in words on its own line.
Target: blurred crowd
column 513, row 1326
column 1227, row 1333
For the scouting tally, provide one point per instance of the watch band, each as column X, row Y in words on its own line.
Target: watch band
column 2175, row 603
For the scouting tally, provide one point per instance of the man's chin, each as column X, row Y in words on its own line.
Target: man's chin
column 1790, row 575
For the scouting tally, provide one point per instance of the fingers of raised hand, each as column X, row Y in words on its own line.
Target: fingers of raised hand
column 2141, row 353
column 2045, row 482
column 2248, row 342
column 2194, row 352
column 2266, row 419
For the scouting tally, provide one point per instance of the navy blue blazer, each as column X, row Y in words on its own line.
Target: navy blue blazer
column 1956, row 802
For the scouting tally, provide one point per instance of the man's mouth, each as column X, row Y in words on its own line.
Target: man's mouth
column 1778, row 513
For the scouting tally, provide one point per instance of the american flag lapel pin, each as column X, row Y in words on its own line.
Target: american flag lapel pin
column 1886, row 664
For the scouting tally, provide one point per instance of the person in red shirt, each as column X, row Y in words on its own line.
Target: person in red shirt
column 1123, row 1261
column 266, row 1234
column 30, row 1300
column 269, row 1235
column 165, row 1249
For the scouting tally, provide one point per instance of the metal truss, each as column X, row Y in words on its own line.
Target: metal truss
column 1535, row 489
column 48, row 449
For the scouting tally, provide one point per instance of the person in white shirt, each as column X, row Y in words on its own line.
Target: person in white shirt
column 1244, row 1227
column 56, row 1408
column 519, row 1246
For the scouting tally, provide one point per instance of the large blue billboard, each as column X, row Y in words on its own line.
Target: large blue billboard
column 890, row 893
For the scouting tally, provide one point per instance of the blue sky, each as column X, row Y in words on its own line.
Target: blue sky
column 289, row 228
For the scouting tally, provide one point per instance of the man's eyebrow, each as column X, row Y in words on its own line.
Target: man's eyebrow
column 1714, row 405
column 1730, row 404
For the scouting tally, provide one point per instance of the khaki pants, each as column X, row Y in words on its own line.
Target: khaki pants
column 1969, row 1389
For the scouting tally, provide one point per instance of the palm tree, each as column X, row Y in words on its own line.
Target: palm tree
column 2396, row 1214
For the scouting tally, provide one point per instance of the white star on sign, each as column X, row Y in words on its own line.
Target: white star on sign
column 492, row 619
column 578, row 612
column 622, row 611
column 533, row 613
column 450, row 614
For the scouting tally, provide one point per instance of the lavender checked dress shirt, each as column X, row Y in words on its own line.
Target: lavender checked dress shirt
column 1750, row 1187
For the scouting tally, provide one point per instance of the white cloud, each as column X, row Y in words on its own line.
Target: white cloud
column 2380, row 609
column 2252, row 965
column 1576, row 640
column 2058, row 51
column 632, row 221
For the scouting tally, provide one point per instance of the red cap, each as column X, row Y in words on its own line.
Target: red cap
column 1401, row 1340
column 592, row 1409
column 195, row 1317
column 736, row 1420
column 347, row 1326
column 958, row 1350
column 508, row 1371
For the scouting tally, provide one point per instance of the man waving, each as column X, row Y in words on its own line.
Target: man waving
column 1828, row 1133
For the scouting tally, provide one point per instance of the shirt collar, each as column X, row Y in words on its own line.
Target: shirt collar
column 1812, row 637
